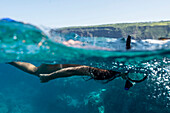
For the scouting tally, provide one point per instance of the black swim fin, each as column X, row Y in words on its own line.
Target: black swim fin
column 128, row 85
column 130, row 82
column 128, row 41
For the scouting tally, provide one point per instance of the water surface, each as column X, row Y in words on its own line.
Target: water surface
column 21, row 92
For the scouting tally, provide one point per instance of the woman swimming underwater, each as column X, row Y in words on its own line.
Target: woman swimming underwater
column 47, row 72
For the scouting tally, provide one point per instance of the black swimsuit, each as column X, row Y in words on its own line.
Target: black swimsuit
column 99, row 74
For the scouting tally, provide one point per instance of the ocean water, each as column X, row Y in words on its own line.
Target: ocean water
column 23, row 93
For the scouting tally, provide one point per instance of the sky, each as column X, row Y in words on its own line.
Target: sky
column 64, row 13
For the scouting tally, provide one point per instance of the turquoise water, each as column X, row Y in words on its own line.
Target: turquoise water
column 21, row 92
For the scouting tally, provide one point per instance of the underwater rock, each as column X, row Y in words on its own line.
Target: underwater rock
column 94, row 101
column 22, row 108
column 3, row 104
column 3, row 108
column 69, row 100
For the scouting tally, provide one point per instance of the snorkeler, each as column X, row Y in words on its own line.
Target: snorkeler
column 47, row 72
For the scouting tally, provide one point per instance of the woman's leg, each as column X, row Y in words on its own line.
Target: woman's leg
column 66, row 72
column 49, row 68
column 42, row 69
column 26, row 67
column 70, row 65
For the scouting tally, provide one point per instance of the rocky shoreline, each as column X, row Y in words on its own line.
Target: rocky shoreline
column 151, row 30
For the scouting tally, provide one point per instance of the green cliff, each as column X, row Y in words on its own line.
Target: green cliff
column 143, row 30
